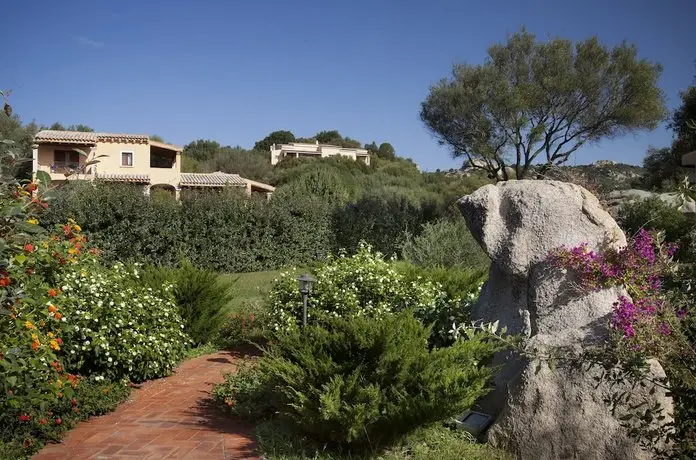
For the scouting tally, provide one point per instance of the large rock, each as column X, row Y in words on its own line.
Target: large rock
column 543, row 413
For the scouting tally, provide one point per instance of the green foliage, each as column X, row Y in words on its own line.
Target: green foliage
column 19, row 439
column 445, row 243
column 78, row 127
column 364, row 284
column 663, row 169
column 383, row 221
column 247, row 393
column 334, row 138
column 124, row 224
column 459, row 289
column 682, row 118
column 432, row 442
column 222, row 231
column 201, row 149
column 655, row 214
column 200, row 295
column 386, row 151
column 276, row 137
column 119, row 328
column 363, row 381
column 496, row 114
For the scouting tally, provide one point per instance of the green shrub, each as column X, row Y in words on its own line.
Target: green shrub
column 445, row 244
column 118, row 328
column 365, row 284
column 432, row 442
column 655, row 214
column 249, row 325
column 247, row 393
column 381, row 220
column 20, row 439
column 201, row 296
column 459, row 288
column 362, row 381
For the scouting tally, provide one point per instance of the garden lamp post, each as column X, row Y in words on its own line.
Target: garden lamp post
column 305, row 284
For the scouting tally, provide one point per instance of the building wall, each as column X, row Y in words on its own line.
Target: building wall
column 111, row 163
column 323, row 151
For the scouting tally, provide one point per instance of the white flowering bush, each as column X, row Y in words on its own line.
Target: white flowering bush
column 365, row 284
column 118, row 328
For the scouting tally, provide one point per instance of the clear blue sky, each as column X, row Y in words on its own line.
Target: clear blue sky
column 234, row 71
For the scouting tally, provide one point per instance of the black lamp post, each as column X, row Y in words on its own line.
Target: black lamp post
column 305, row 284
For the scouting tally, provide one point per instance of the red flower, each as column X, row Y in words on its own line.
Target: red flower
column 4, row 281
column 24, row 418
column 29, row 247
column 31, row 187
column 59, row 340
column 42, row 421
column 52, row 293
column 73, row 402
column 58, row 421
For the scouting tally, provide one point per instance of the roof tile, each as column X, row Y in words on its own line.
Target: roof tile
column 215, row 179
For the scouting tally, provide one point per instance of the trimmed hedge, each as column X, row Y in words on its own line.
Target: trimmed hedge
column 227, row 231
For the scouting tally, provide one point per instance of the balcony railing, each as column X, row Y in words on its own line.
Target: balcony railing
column 65, row 166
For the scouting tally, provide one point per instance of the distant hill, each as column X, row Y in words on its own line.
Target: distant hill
column 603, row 176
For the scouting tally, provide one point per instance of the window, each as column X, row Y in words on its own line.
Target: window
column 66, row 158
column 126, row 158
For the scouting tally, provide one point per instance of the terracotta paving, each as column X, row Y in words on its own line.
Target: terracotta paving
column 174, row 417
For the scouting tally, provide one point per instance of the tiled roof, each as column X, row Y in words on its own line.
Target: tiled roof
column 216, row 179
column 134, row 178
column 78, row 137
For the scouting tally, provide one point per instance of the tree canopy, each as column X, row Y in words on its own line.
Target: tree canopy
column 276, row 137
column 201, row 149
column 78, row 127
column 538, row 102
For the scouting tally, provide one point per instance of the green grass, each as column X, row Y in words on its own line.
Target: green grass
column 434, row 442
column 249, row 288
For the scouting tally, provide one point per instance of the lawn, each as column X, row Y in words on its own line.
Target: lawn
column 249, row 288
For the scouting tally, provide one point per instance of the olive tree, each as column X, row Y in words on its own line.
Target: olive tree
column 538, row 102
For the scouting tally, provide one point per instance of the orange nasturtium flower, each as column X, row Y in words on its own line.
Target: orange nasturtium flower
column 52, row 293
column 29, row 325
column 54, row 345
column 35, row 345
column 52, row 308
column 58, row 316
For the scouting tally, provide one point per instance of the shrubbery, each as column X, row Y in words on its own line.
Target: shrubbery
column 655, row 214
column 365, row 284
column 362, row 381
column 200, row 295
column 118, row 328
column 446, row 243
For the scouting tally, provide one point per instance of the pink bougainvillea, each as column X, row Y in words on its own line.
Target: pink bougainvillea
column 639, row 267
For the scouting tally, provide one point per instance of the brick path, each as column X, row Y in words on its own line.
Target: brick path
column 173, row 417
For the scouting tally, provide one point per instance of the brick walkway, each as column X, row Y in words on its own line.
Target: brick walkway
column 173, row 417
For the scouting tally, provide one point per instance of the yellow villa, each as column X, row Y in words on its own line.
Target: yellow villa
column 132, row 158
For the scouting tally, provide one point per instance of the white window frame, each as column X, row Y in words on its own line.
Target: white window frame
column 120, row 160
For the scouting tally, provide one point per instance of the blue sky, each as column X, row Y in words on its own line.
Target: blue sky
column 234, row 71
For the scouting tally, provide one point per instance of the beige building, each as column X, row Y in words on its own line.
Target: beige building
column 133, row 158
column 316, row 150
